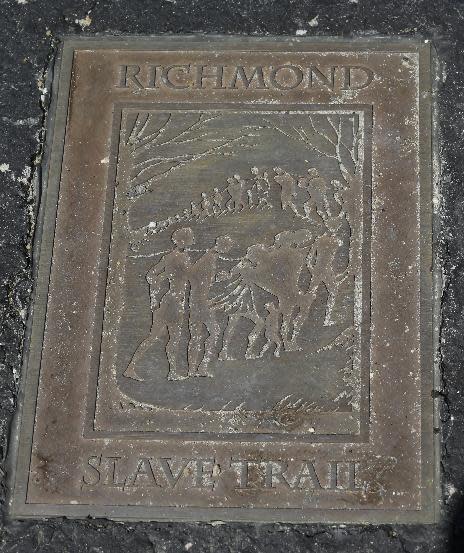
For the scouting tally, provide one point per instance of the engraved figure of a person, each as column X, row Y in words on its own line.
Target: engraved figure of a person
column 287, row 185
column 317, row 206
column 241, row 305
column 251, row 193
column 163, row 225
column 168, row 312
column 195, row 211
column 321, row 262
column 272, row 330
column 201, row 313
column 289, row 254
column 347, row 211
column 235, row 190
column 206, row 206
column 217, row 201
column 262, row 188
column 277, row 270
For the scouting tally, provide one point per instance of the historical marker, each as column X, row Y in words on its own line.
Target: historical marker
column 233, row 312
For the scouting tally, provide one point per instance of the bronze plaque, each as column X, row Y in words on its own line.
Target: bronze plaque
column 234, row 313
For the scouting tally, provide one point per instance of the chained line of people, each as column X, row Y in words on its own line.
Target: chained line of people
column 183, row 291
column 255, row 193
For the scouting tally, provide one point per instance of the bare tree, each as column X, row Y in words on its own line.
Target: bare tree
column 160, row 143
column 336, row 136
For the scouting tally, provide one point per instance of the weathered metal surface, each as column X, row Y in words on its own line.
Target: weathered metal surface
column 234, row 309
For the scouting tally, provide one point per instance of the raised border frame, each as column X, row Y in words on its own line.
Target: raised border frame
column 20, row 445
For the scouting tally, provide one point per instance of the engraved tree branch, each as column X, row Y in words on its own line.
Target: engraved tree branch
column 330, row 135
column 337, row 137
column 160, row 144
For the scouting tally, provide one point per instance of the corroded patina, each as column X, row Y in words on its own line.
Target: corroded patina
column 234, row 304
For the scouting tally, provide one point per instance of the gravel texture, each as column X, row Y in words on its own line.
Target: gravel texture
column 30, row 31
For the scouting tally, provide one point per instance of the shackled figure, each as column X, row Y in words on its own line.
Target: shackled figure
column 201, row 313
column 169, row 312
column 187, row 299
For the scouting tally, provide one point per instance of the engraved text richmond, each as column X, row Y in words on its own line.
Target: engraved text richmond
column 282, row 77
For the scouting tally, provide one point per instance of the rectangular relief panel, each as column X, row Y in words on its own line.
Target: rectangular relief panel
column 233, row 314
